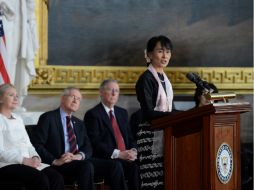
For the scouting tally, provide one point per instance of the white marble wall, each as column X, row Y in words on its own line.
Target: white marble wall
column 42, row 103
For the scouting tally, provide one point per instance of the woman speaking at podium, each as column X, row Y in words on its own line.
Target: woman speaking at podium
column 155, row 95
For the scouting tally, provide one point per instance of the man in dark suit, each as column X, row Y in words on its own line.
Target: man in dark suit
column 107, row 127
column 61, row 140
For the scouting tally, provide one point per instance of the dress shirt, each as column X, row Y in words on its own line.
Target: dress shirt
column 116, row 152
column 66, row 141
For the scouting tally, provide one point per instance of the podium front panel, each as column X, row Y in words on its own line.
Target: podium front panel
column 226, row 152
column 183, row 157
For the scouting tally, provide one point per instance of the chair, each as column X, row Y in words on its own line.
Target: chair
column 99, row 184
column 70, row 183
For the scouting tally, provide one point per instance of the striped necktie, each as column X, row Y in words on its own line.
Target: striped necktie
column 71, row 136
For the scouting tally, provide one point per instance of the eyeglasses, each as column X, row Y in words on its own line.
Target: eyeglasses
column 113, row 90
column 73, row 97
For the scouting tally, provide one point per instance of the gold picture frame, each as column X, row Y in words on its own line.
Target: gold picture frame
column 52, row 79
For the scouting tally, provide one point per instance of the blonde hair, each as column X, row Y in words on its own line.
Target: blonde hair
column 4, row 87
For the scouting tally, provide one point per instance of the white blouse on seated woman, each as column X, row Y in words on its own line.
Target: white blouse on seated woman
column 14, row 142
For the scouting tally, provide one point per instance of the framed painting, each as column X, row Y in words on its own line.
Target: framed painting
column 111, row 41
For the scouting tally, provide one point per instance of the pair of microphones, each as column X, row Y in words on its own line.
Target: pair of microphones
column 195, row 78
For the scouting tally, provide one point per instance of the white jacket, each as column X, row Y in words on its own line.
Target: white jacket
column 14, row 141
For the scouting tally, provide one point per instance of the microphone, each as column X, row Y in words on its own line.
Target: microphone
column 193, row 77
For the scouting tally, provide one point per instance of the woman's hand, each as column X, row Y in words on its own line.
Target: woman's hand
column 32, row 162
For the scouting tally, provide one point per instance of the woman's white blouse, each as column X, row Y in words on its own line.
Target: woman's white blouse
column 14, row 141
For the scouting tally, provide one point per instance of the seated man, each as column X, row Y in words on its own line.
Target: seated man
column 61, row 140
column 110, row 134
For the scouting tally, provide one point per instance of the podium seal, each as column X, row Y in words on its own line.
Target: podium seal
column 224, row 163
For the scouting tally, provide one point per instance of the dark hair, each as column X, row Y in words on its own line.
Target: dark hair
column 165, row 43
column 199, row 92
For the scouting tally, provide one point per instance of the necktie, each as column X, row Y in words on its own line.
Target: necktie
column 117, row 132
column 71, row 136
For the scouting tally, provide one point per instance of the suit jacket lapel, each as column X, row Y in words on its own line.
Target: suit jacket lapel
column 105, row 119
column 59, row 127
column 119, row 119
column 75, row 128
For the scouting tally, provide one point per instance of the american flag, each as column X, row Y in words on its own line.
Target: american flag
column 4, row 58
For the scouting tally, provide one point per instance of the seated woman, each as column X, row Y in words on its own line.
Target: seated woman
column 19, row 162
column 199, row 96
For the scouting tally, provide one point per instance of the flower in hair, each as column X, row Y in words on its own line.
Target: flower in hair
column 146, row 57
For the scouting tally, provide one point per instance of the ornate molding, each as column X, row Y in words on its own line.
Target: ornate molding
column 52, row 79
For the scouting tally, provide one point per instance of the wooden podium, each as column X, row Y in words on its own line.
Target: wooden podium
column 202, row 147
